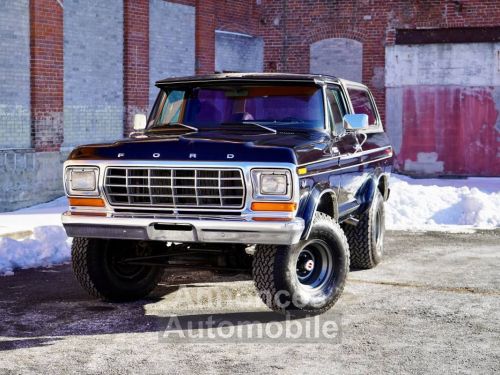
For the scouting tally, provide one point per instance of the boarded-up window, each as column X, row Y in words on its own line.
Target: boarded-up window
column 337, row 57
column 236, row 52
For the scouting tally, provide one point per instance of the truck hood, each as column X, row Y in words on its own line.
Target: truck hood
column 286, row 147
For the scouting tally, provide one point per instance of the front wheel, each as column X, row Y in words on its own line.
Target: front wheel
column 307, row 277
column 100, row 269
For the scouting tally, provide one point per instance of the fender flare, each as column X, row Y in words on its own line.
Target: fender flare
column 364, row 196
column 366, row 193
column 310, row 207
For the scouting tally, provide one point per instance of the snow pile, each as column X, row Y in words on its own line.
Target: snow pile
column 441, row 204
column 47, row 246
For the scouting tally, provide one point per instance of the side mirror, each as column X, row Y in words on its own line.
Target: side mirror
column 139, row 122
column 358, row 121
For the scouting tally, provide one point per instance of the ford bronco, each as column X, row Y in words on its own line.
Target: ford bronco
column 283, row 175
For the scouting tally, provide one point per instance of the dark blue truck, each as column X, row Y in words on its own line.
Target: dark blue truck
column 282, row 174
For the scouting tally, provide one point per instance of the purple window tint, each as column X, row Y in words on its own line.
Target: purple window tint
column 208, row 107
column 361, row 103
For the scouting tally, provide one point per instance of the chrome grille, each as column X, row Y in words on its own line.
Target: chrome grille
column 174, row 187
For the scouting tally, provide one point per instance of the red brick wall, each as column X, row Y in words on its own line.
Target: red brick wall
column 229, row 15
column 47, row 71
column 289, row 27
column 135, row 60
column 205, row 36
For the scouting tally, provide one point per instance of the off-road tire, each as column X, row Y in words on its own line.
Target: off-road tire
column 91, row 266
column 366, row 248
column 275, row 271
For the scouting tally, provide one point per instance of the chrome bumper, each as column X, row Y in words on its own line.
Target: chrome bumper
column 184, row 229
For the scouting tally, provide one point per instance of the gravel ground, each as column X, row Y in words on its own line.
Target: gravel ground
column 432, row 306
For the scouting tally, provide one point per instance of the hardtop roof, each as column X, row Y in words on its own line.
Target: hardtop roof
column 290, row 77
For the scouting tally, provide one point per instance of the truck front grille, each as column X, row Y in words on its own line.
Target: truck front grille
column 175, row 187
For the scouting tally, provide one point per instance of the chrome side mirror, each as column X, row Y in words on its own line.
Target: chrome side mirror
column 139, row 122
column 358, row 121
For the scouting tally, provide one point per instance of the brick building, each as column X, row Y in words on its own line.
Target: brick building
column 75, row 71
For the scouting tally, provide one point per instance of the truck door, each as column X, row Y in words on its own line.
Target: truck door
column 337, row 108
column 353, row 167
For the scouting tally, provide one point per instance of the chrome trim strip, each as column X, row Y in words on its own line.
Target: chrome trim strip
column 347, row 156
column 347, row 167
column 318, row 161
column 363, row 153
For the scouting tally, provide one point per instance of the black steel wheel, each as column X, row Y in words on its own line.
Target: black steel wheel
column 308, row 277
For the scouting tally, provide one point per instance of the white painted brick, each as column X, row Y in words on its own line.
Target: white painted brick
column 463, row 64
column 93, row 71
column 171, row 42
column 338, row 57
column 238, row 53
column 14, row 74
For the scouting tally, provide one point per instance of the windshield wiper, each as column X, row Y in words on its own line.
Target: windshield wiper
column 173, row 125
column 249, row 123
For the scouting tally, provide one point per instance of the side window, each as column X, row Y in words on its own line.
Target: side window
column 172, row 107
column 362, row 103
column 337, row 109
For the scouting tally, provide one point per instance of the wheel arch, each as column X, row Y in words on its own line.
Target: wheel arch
column 321, row 199
column 366, row 192
column 383, row 185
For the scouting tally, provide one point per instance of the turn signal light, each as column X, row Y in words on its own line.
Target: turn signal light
column 274, row 206
column 272, row 219
column 89, row 202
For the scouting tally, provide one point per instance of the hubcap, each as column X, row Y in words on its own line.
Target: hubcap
column 314, row 265
column 305, row 264
column 309, row 266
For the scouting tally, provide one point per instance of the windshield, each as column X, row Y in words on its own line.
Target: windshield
column 213, row 107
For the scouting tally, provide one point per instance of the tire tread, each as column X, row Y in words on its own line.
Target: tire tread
column 360, row 243
column 266, row 281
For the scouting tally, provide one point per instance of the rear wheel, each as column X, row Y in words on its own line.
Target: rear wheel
column 100, row 269
column 366, row 239
column 307, row 277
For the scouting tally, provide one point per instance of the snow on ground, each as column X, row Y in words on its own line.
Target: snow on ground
column 48, row 245
column 414, row 204
column 443, row 204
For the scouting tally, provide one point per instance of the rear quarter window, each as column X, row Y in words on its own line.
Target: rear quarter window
column 362, row 103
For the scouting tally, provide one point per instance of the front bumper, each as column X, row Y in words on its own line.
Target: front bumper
column 183, row 228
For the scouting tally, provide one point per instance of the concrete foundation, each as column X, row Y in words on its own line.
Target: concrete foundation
column 29, row 177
